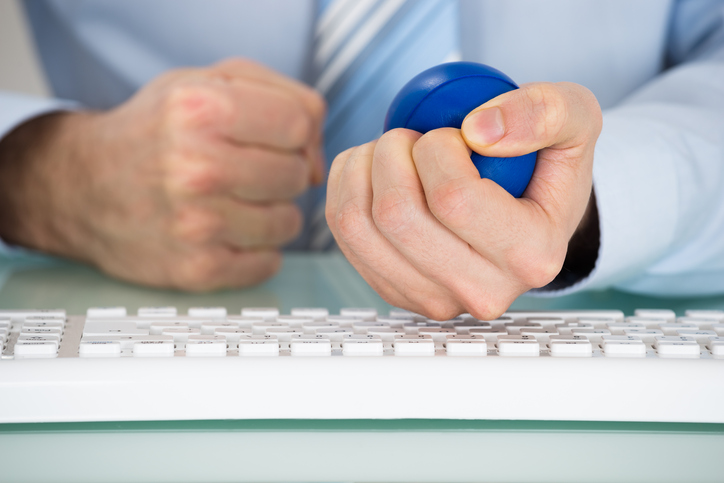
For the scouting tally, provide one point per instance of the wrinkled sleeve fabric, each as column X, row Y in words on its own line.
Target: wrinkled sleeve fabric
column 659, row 171
column 15, row 109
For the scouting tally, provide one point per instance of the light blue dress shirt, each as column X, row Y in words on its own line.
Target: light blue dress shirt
column 656, row 67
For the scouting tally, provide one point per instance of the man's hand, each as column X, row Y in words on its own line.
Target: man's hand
column 189, row 184
column 412, row 214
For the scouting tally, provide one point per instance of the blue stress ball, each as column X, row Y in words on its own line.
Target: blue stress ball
column 442, row 96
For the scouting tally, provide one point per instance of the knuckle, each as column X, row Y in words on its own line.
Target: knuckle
column 450, row 202
column 197, row 226
column 299, row 127
column 536, row 266
column 439, row 308
column 317, row 104
column 288, row 226
column 195, row 105
column 188, row 176
column 487, row 308
column 547, row 108
column 351, row 221
column 400, row 136
column 393, row 212
column 543, row 270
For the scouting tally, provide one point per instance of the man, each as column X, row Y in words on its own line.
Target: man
column 189, row 183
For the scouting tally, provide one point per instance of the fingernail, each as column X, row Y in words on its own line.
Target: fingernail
column 484, row 127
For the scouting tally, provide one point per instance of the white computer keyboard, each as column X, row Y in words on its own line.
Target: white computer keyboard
column 591, row 365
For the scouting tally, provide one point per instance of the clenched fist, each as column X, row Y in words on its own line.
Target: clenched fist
column 189, row 184
column 412, row 214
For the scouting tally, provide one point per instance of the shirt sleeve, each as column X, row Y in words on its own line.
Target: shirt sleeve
column 16, row 109
column 659, row 170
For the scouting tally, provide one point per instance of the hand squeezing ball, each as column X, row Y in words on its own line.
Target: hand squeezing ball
column 442, row 96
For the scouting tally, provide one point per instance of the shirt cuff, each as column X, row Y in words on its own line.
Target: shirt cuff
column 15, row 109
column 636, row 198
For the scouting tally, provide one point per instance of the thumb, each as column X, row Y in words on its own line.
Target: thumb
column 534, row 117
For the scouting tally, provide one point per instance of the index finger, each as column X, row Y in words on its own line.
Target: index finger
column 310, row 99
column 246, row 69
column 477, row 210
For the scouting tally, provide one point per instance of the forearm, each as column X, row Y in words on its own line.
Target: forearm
column 40, row 168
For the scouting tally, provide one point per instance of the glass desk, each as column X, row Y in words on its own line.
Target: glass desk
column 355, row 450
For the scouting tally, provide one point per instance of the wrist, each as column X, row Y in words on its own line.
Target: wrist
column 41, row 170
column 582, row 249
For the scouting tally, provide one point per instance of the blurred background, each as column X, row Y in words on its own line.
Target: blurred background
column 19, row 67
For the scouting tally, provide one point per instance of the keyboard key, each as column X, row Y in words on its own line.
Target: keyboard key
column 362, row 313
column 593, row 335
column 362, row 345
column 180, row 334
column 491, row 334
column 50, row 332
column 101, row 348
column 258, row 345
column 716, row 346
column 414, row 345
column 208, row 312
column 365, row 324
column 294, row 321
column 518, row 346
column 261, row 312
column 703, row 314
column 438, row 334
column 396, row 322
column 668, row 315
column 617, row 328
column 39, row 338
column 208, row 328
column 310, row 346
column 311, row 327
column 31, row 322
column 546, row 322
column 232, row 335
column 335, row 334
column 387, row 334
column 514, row 328
column 157, row 328
column 159, row 346
column 20, row 315
column 701, row 336
column 672, row 327
column 283, row 333
column 541, row 335
column 26, row 349
column 646, row 335
column 623, row 346
column 206, row 346
column 401, row 313
column 315, row 313
column 153, row 312
column 677, row 346
column 646, row 321
column 466, row 345
column 260, row 328
column 127, row 341
column 413, row 328
column 567, row 315
column 101, row 327
column 570, row 346
column 106, row 312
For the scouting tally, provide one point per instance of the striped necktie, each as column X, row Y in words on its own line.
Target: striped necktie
column 365, row 51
